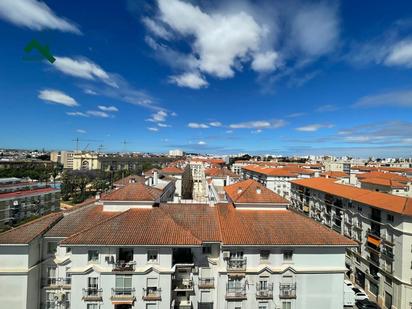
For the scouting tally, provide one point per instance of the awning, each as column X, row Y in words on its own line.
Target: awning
column 374, row 241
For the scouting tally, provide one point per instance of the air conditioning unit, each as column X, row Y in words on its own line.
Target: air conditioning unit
column 226, row 255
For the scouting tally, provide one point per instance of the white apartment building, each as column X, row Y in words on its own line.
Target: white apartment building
column 176, row 153
column 380, row 223
column 251, row 252
column 217, row 179
column 63, row 157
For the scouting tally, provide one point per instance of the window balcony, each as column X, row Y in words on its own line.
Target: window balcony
column 387, row 254
column 205, row 305
column 237, row 293
column 206, row 283
column 183, row 284
column 236, row 264
column 57, row 283
column 287, row 290
column 124, row 266
column 264, row 292
column 181, row 304
column 123, row 295
column 92, row 294
column 151, row 294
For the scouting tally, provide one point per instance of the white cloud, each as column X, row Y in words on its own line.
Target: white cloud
column 215, row 124
column 314, row 127
column 153, row 129
column 294, row 115
column 83, row 68
column 326, row 108
column 400, row 55
column 401, row 98
column 257, row 131
column 315, row 29
column 81, row 131
column 98, row 114
column 156, row 28
column 201, row 143
column 195, row 125
column 263, row 62
column 108, row 108
column 80, row 114
column 259, row 124
column 89, row 91
column 163, row 125
column 159, row 116
column 34, row 15
column 190, row 80
column 57, row 97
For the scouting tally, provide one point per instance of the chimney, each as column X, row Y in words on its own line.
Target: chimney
column 155, row 178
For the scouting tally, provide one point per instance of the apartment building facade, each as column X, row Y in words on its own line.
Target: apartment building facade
column 380, row 223
column 143, row 255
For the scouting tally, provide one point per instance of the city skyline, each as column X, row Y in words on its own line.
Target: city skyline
column 291, row 79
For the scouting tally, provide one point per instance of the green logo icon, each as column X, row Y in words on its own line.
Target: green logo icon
column 43, row 50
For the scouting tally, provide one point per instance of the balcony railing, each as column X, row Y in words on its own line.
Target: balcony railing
column 92, row 294
column 124, row 266
column 57, row 282
column 287, row 290
column 123, row 294
column 205, row 305
column 236, row 264
column 264, row 292
column 388, row 240
column 152, row 294
column 183, row 284
column 373, row 233
column 238, row 293
column 387, row 254
column 181, row 304
column 206, row 283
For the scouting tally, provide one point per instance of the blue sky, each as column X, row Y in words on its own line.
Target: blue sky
column 300, row 77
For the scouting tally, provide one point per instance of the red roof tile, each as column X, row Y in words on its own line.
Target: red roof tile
column 220, row 172
column 251, row 191
column 134, row 192
column 18, row 194
column 172, row 170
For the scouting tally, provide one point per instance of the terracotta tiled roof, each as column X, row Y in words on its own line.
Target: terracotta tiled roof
column 389, row 202
column 172, row 170
column 75, row 221
column 220, row 172
column 134, row 192
column 200, row 219
column 334, row 174
column 132, row 178
column 25, row 233
column 271, row 171
column 383, row 182
column 250, row 191
column 281, row 227
column 18, row 194
column 145, row 226
column 150, row 172
column 384, row 175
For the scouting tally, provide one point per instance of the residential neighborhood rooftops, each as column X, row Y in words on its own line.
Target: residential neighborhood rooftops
column 17, row 194
column 133, row 192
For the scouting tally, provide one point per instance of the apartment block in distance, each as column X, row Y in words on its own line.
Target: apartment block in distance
column 380, row 223
column 250, row 252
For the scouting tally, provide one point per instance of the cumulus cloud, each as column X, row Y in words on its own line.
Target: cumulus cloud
column 215, row 124
column 83, row 68
column 81, row 131
column 163, row 125
column 314, row 127
column 108, row 108
column 400, row 55
column 153, row 129
column 195, row 125
column 156, row 28
column 159, row 116
column 58, row 97
column 201, row 143
column 190, row 80
column 266, row 61
column 401, row 98
column 259, row 124
column 34, row 15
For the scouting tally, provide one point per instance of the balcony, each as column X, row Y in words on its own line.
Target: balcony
column 57, row 283
column 151, row 294
column 206, row 283
column 374, row 233
column 336, row 228
column 123, row 295
column 287, row 290
column 205, row 305
column 264, row 292
column 387, row 254
column 183, row 284
column 124, row 266
column 237, row 293
column 388, row 240
column 181, row 304
column 92, row 294
column 236, row 264
column 358, row 226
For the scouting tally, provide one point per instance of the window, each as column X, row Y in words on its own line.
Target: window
column 264, row 255
column 67, row 300
column 373, row 288
column 151, row 306
column 51, row 247
column 286, row 305
column 124, row 283
column 152, row 256
column 287, row 255
column 50, row 301
column 389, row 218
column 263, row 306
column 388, row 300
column 92, row 283
column 92, row 306
column 207, row 249
column 93, row 256
column 68, row 249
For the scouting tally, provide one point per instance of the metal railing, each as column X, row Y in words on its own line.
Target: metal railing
column 152, row 294
column 287, row 290
column 123, row 293
column 124, row 266
column 206, row 283
column 183, row 284
column 236, row 264
column 235, row 292
column 92, row 294
column 264, row 291
column 56, row 282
